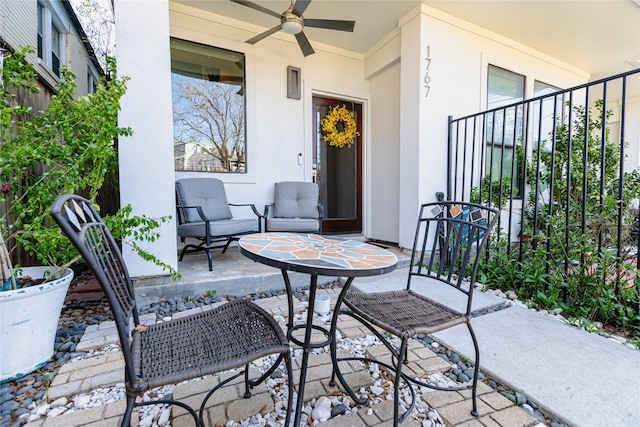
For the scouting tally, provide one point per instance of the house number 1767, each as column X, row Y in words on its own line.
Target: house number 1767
column 427, row 78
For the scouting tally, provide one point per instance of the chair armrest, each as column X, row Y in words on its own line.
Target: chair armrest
column 266, row 210
column 253, row 208
column 198, row 208
column 320, row 211
column 255, row 211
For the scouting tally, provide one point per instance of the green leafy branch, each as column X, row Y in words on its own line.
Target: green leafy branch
column 68, row 148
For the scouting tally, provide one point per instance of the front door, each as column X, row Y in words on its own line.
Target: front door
column 338, row 171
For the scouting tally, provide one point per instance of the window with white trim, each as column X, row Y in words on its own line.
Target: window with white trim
column 504, row 126
column 545, row 115
column 51, row 40
column 92, row 77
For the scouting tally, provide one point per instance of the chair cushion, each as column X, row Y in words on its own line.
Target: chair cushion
column 294, row 225
column 296, row 200
column 223, row 227
column 205, row 192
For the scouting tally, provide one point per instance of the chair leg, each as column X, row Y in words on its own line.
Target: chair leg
column 197, row 248
column 209, row 258
column 476, row 368
column 126, row 418
column 226, row 246
column 184, row 251
column 247, row 387
column 289, row 367
column 396, row 388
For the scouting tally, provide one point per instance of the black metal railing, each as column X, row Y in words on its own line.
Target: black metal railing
column 557, row 167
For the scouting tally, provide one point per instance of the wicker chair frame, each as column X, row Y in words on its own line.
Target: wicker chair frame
column 449, row 242
column 227, row 337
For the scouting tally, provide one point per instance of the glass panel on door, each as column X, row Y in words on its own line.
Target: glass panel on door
column 337, row 171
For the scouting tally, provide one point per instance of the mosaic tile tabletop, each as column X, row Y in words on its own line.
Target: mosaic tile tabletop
column 317, row 251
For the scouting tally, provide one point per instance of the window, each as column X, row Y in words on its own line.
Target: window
column 55, row 50
column 41, row 12
column 92, row 77
column 207, row 86
column 51, row 43
column 543, row 115
column 504, row 126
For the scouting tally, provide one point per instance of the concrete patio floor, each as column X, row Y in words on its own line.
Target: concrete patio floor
column 233, row 274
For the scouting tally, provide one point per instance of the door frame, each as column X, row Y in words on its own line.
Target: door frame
column 311, row 88
column 344, row 225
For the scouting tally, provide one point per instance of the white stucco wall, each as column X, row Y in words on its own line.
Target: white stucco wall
column 405, row 128
column 146, row 158
column 459, row 55
column 278, row 128
column 385, row 155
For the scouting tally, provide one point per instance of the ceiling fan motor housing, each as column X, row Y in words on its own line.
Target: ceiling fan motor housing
column 291, row 23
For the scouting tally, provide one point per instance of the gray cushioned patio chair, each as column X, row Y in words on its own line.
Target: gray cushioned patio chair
column 295, row 208
column 204, row 214
column 207, row 342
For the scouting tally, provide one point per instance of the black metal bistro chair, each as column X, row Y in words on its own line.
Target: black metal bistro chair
column 205, row 214
column 229, row 336
column 448, row 244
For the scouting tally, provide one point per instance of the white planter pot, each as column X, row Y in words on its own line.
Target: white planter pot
column 29, row 321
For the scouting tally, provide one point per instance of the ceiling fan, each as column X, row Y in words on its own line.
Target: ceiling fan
column 292, row 22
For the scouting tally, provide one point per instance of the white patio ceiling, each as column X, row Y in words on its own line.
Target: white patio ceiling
column 596, row 36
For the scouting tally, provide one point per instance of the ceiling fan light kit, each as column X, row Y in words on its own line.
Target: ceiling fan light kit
column 292, row 22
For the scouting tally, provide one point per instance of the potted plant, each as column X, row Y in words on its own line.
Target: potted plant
column 67, row 148
column 29, row 315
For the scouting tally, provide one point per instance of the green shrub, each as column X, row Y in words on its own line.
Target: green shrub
column 67, row 148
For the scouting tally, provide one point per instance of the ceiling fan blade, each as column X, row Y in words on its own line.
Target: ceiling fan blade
column 305, row 46
column 258, row 8
column 261, row 36
column 300, row 6
column 330, row 24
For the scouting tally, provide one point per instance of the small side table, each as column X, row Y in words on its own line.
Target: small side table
column 315, row 255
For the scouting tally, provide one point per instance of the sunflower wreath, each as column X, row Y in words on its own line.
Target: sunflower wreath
column 332, row 135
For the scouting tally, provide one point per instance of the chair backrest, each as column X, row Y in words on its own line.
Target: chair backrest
column 296, row 200
column 449, row 242
column 81, row 223
column 208, row 193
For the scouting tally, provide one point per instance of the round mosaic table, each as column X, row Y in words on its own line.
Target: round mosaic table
column 315, row 255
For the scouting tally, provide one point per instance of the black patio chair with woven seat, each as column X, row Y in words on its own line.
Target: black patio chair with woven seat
column 449, row 242
column 226, row 337
column 205, row 214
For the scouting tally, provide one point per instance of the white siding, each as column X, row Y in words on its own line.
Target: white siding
column 77, row 60
column 19, row 23
column 19, row 27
